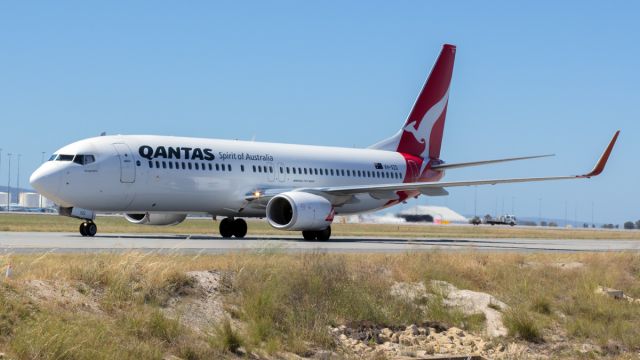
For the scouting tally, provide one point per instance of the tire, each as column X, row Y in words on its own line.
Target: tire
column 324, row 235
column 309, row 235
column 83, row 229
column 91, row 229
column 239, row 228
column 226, row 228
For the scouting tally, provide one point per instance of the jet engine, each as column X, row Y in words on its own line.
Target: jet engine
column 155, row 218
column 299, row 211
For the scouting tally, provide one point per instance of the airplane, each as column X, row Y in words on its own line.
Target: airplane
column 158, row 180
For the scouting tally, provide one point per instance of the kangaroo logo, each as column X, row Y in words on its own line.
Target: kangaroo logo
column 422, row 131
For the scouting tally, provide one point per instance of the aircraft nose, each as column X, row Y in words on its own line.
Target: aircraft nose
column 46, row 180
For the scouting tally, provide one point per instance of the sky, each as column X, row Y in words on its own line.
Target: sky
column 530, row 78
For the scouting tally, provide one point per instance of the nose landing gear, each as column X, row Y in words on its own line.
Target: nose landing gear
column 88, row 228
column 233, row 227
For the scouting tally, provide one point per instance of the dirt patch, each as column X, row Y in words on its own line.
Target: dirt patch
column 203, row 308
column 70, row 296
column 473, row 302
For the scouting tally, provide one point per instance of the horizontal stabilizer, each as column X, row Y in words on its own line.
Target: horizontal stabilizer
column 485, row 162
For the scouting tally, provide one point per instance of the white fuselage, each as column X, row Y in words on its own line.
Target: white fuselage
column 167, row 174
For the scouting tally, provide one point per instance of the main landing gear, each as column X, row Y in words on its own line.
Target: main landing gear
column 88, row 228
column 321, row 235
column 233, row 227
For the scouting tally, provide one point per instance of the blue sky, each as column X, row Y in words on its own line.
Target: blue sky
column 541, row 77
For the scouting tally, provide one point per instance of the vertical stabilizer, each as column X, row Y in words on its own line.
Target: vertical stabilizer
column 421, row 134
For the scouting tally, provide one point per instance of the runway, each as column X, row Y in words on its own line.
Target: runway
column 26, row 242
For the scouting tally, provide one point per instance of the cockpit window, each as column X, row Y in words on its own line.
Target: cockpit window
column 53, row 157
column 62, row 157
column 84, row 159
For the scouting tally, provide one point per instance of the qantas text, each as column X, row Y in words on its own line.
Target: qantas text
column 169, row 152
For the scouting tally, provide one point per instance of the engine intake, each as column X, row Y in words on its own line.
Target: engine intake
column 155, row 218
column 299, row 211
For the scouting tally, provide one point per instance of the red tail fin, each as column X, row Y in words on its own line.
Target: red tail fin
column 424, row 127
column 421, row 134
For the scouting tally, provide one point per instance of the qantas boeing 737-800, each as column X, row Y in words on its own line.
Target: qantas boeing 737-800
column 158, row 180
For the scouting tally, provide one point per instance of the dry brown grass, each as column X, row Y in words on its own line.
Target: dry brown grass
column 286, row 301
column 117, row 224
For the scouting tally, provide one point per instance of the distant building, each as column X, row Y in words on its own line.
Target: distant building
column 46, row 203
column 29, row 200
column 3, row 199
column 434, row 214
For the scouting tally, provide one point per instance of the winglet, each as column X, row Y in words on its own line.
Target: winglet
column 597, row 170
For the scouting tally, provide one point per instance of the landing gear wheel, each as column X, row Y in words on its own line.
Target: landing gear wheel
column 239, row 228
column 88, row 228
column 324, row 235
column 92, row 229
column 309, row 235
column 226, row 227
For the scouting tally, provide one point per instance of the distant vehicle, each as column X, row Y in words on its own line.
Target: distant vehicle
column 501, row 220
column 475, row 221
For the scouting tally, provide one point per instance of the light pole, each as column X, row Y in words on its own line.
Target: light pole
column 540, row 210
column 18, row 179
column 9, row 185
column 475, row 200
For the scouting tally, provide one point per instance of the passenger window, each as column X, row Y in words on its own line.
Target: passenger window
column 150, row 164
column 197, row 166
column 281, row 170
column 218, row 167
column 271, row 169
column 190, row 166
column 294, row 170
column 157, row 164
column 223, row 167
column 348, row 173
column 305, row 171
column 170, row 165
column 210, row 167
column 254, row 168
column 315, row 171
column 242, row 168
column 287, row 169
column 229, row 167
column 331, row 172
column 138, row 163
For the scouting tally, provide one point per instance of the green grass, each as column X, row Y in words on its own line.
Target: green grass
column 203, row 226
column 286, row 302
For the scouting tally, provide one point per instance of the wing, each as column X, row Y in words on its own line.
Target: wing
column 426, row 188
column 445, row 166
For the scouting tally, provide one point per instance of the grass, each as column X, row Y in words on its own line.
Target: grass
column 286, row 302
column 203, row 226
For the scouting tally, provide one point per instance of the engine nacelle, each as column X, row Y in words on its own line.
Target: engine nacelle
column 299, row 211
column 155, row 218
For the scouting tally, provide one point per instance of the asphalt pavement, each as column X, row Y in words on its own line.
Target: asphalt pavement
column 73, row 242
